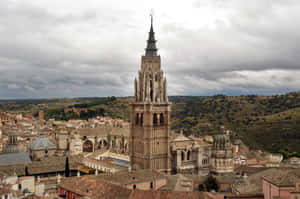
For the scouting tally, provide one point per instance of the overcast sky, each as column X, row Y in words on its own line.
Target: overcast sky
column 55, row 48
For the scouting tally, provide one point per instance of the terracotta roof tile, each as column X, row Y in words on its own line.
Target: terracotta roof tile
column 94, row 187
column 165, row 195
column 125, row 177
column 284, row 177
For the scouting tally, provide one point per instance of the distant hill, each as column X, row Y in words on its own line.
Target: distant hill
column 262, row 122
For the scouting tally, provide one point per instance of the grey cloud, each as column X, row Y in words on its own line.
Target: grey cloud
column 61, row 49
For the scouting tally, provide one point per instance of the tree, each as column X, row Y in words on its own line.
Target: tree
column 201, row 187
column 211, row 183
column 67, row 169
column 26, row 171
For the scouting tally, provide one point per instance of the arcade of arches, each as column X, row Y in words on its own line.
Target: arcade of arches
column 118, row 144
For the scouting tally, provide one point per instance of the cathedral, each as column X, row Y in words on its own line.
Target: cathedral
column 150, row 116
column 152, row 145
column 148, row 142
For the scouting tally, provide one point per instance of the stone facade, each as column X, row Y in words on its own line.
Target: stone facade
column 150, row 114
column 222, row 155
column 41, row 148
column 189, row 156
column 26, row 183
column 151, row 145
column 92, row 139
column 13, row 145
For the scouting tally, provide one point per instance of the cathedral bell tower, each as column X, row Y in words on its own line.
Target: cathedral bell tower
column 150, row 114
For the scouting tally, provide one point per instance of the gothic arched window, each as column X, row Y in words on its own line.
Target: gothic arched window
column 142, row 118
column 182, row 155
column 161, row 118
column 151, row 88
column 137, row 119
column 188, row 155
column 154, row 119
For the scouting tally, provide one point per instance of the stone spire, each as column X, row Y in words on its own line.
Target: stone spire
column 151, row 85
column 151, row 49
column 150, row 114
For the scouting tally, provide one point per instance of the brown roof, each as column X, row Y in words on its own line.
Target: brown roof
column 125, row 131
column 284, row 177
column 125, row 177
column 48, row 165
column 84, row 169
column 226, row 179
column 98, row 131
column 238, row 196
column 32, row 196
column 105, row 130
column 52, row 164
column 94, row 187
column 165, row 194
column 253, row 183
column 249, row 170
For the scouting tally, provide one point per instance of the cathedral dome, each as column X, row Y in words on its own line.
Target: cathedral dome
column 42, row 142
column 221, row 141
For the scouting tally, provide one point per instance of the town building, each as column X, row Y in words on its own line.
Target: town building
column 41, row 148
column 41, row 115
column 283, row 183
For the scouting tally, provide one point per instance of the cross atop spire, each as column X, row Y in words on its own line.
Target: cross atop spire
column 151, row 49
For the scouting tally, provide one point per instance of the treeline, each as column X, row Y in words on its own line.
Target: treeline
column 89, row 110
column 104, row 101
column 60, row 114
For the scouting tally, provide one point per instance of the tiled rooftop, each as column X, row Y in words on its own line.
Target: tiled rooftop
column 94, row 187
column 42, row 142
column 126, row 177
column 50, row 164
column 97, row 187
column 284, row 177
column 14, row 158
column 136, row 194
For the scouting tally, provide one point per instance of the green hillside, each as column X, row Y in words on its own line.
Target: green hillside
column 262, row 122
column 271, row 123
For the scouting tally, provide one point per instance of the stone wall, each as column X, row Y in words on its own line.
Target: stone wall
column 42, row 153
